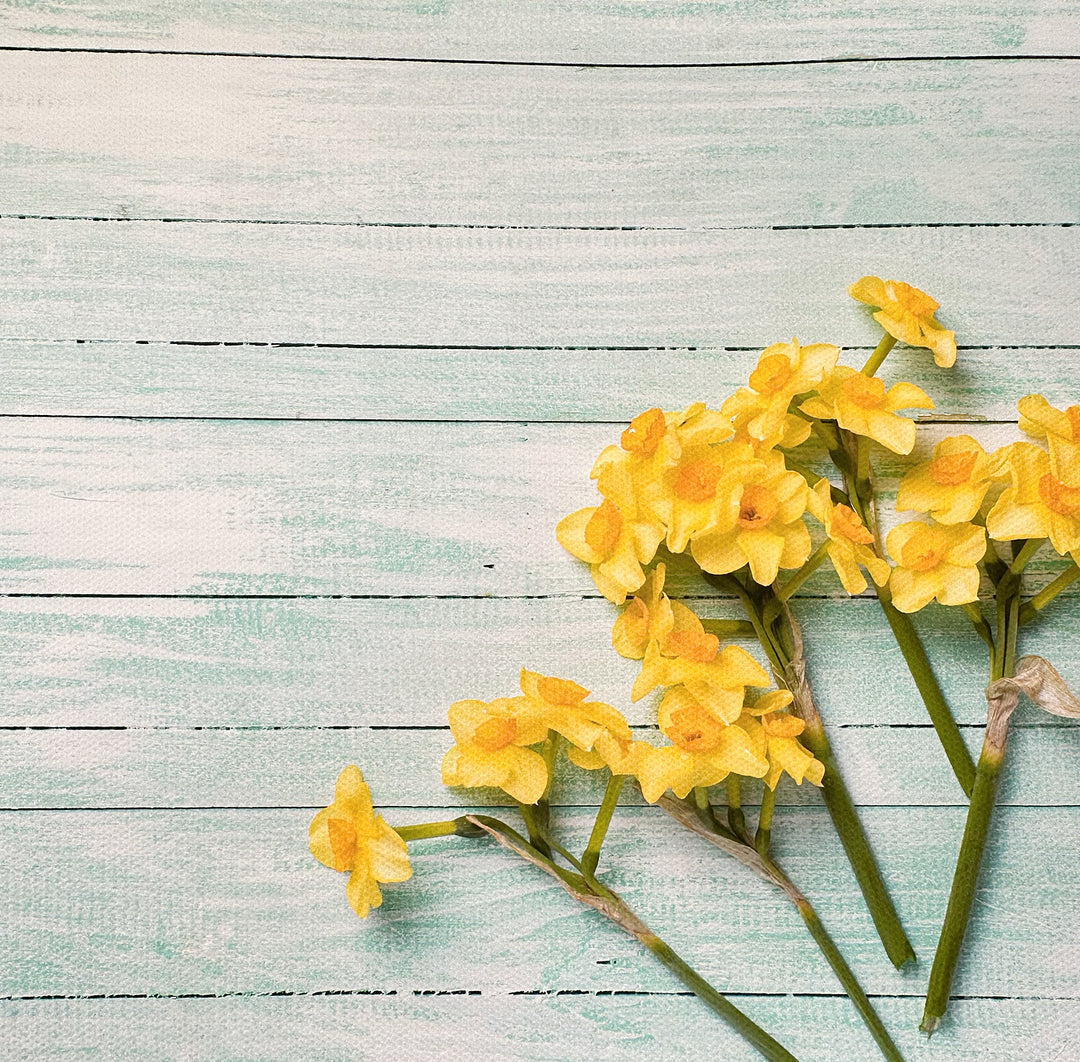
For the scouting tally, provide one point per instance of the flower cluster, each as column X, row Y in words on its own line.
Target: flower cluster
column 1020, row 491
column 715, row 725
column 717, row 483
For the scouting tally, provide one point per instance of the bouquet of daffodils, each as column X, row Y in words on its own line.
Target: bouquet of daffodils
column 740, row 494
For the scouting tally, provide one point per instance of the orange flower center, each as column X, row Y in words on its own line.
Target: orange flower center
column 779, row 725
column 1073, row 413
column 1061, row 499
column 757, row 506
column 495, row 733
column 950, row 470
column 645, row 432
column 867, row 392
column 604, row 528
column 560, row 691
column 342, row 834
column 846, row 523
column 694, row 730
column 771, row 374
column 696, row 481
column 696, row 646
column 924, row 550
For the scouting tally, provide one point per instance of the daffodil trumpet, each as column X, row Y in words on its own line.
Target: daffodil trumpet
column 781, row 640
column 754, row 855
column 589, row 890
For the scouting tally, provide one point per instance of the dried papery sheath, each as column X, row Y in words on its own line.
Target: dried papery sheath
column 1040, row 682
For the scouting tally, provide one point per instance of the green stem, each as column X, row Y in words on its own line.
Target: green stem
column 978, row 621
column 812, row 564
column 1027, row 551
column 731, row 582
column 537, row 836
column 460, row 826
column 927, row 684
column 764, row 822
column 881, row 351
column 962, row 893
column 840, row 967
column 910, row 646
column 591, row 856
column 595, row 894
column 749, row 1030
column 841, row 810
column 1029, row 611
column 981, row 810
column 736, row 818
column 726, row 629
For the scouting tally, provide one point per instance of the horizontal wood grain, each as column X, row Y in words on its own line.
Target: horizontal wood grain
column 480, row 287
column 539, row 1028
column 567, row 31
column 144, row 379
column 882, row 765
column 97, row 506
column 231, row 901
column 162, row 662
column 123, row 136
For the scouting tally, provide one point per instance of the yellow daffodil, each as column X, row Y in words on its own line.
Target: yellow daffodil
column 703, row 752
column 716, row 681
column 783, row 371
column 630, row 473
column 1060, row 428
column 761, row 524
column 850, row 541
column 860, row 404
column 614, row 545
column 951, row 485
column 1037, row 504
column 651, row 617
column 774, row 736
column 689, row 502
column 935, row 561
column 561, row 706
column 907, row 314
column 349, row 836
column 490, row 750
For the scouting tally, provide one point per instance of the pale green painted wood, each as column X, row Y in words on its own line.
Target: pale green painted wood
column 96, row 506
column 160, row 902
column 145, row 379
column 450, row 287
column 569, row 31
column 546, row 1028
column 169, row 768
column 124, row 136
column 188, row 663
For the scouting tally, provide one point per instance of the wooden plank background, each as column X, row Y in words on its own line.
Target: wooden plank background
column 312, row 318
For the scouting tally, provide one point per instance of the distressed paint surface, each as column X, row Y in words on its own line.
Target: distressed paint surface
column 567, row 31
column 162, row 753
column 146, row 136
column 298, row 381
column 527, row 287
column 218, row 901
